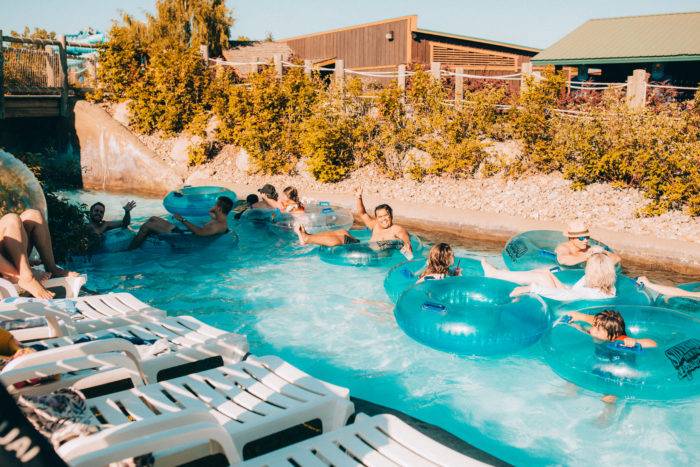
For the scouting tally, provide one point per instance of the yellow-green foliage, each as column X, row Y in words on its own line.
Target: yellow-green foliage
column 265, row 117
column 171, row 92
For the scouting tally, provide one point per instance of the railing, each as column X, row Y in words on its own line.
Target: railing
column 39, row 68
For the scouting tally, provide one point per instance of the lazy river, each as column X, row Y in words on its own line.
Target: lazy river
column 337, row 323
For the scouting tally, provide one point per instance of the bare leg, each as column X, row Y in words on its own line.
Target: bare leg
column 38, row 235
column 154, row 225
column 14, row 244
column 667, row 290
column 334, row 238
column 541, row 277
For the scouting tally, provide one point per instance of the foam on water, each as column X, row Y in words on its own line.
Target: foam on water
column 337, row 324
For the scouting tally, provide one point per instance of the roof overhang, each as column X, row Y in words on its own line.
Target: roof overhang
column 613, row 60
column 480, row 40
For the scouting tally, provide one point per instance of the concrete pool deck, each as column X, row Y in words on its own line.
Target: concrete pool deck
column 643, row 251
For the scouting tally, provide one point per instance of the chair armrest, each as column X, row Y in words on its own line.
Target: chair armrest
column 145, row 436
column 72, row 284
column 7, row 289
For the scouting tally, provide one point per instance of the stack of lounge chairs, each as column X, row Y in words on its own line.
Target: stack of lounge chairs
column 194, row 391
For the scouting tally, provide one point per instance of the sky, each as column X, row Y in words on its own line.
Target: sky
column 535, row 23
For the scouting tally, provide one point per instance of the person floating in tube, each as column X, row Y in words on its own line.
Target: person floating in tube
column 288, row 201
column 100, row 226
column 577, row 248
column 439, row 264
column 384, row 231
column 217, row 225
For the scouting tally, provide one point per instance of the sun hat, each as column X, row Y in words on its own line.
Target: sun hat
column 576, row 229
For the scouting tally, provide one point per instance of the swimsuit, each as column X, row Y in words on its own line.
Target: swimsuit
column 348, row 239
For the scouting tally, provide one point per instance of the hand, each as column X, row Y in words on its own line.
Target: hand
column 407, row 253
column 629, row 342
column 644, row 280
column 129, row 206
column 518, row 291
column 179, row 218
column 458, row 271
column 595, row 249
column 358, row 192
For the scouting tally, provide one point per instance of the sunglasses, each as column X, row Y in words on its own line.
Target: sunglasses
column 583, row 239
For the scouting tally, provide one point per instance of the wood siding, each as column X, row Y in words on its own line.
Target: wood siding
column 361, row 47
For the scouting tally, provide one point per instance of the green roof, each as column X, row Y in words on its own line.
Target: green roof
column 652, row 38
column 478, row 39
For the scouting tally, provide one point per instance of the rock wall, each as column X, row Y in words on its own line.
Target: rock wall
column 113, row 159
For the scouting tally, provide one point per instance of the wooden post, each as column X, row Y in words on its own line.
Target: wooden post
column 204, row 50
column 308, row 64
column 255, row 68
column 525, row 72
column 340, row 73
column 63, row 109
column 50, row 72
column 435, row 70
column 637, row 89
column 402, row 77
column 459, row 87
column 2, row 79
column 277, row 58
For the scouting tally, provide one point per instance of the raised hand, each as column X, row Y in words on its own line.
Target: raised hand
column 130, row 205
column 358, row 192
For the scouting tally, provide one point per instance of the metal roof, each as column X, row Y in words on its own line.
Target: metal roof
column 651, row 38
column 476, row 39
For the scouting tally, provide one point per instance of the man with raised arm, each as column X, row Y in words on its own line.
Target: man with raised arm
column 100, row 226
column 217, row 225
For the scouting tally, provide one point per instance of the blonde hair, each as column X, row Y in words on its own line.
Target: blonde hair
column 439, row 261
column 600, row 273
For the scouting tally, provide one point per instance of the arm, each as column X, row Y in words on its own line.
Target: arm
column 582, row 317
column 407, row 250
column 644, row 343
column 210, row 228
column 667, row 290
column 126, row 220
column 273, row 203
column 566, row 258
column 362, row 212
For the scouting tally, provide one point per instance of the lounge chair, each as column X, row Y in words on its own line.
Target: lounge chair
column 31, row 319
column 159, row 349
column 231, row 405
column 70, row 285
column 382, row 440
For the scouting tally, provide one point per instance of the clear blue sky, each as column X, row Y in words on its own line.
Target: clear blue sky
column 536, row 23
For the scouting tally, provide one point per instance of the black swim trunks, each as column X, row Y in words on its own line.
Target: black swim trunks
column 349, row 239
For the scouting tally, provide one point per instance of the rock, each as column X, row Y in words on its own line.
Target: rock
column 120, row 112
column 243, row 161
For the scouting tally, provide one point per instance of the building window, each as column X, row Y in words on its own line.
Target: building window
column 471, row 58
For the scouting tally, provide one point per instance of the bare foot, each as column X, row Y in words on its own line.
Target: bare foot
column 60, row 272
column 35, row 289
column 40, row 275
column 302, row 234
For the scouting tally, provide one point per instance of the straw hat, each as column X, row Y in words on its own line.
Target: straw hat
column 576, row 229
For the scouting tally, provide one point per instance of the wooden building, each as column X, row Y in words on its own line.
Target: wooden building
column 383, row 45
column 667, row 46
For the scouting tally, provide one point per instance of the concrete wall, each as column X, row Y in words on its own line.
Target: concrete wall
column 113, row 159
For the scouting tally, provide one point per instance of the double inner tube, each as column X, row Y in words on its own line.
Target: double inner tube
column 666, row 372
column 404, row 275
column 368, row 254
column 471, row 316
column 535, row 249
column 685, row 304
column 319, row 217
column 195, row 201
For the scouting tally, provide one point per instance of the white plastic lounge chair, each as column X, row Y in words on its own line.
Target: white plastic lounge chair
column 382, row 440
column 42, row 319
column 71, row 285
column 160, row 349
column 249, row 400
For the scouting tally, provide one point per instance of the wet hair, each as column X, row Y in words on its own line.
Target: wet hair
column 252, row 199
column 386, row 207
column 612, row 322
column 600, row 273
column 98, row 204
column 440, row 258
column 225, row 203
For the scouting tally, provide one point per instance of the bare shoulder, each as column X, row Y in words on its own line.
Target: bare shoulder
column 562, row 249
column 399, row 230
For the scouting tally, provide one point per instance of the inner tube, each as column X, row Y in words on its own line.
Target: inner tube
column 404, row 275
column 471, row 316
column 627, row 292
column 320, row 217
column 116, row 240
column 687, row 304
column 665, row 372
column 535, row 249
column 195, row 201
column 187, row 241
column 373, row 254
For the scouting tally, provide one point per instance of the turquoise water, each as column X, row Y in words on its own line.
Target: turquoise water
column 337, row 324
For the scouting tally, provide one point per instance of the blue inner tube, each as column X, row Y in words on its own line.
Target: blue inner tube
column 627, row 292
column 373, row 254
column 686, row 304
column 116, row 240
column 535, row 249
column 404, row 275
column 471, row 316
column 187, row 241
column 661, row 373
column 195, row 201
column 321, row 217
